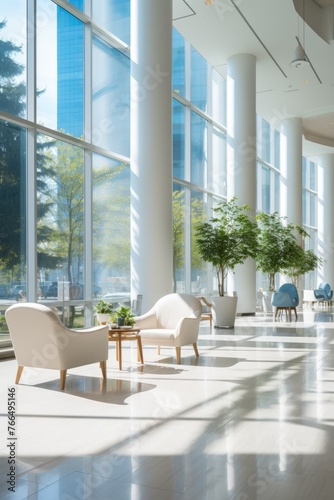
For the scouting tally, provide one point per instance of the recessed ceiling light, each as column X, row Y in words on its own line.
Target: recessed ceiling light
column 304, row 82
column 331, row 123
column 208, row 2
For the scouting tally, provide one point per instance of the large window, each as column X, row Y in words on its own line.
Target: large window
column 65, row 219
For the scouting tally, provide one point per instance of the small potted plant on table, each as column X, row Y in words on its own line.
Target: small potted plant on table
column 123, row 316
column 103, row 311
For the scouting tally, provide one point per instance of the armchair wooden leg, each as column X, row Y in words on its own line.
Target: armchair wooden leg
column 62, row 379
column 158, row 350
column 103, row 366
column 18, row 374
column 195, row 349
column 178, row 355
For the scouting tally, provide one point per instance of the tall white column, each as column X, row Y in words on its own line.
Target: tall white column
column 291, row 187
column 241, row 161
column 151, row 149
column 325, row 217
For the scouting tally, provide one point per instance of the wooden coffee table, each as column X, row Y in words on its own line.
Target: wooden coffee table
column 119, row 335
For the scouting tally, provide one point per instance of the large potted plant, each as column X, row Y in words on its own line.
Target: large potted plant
column 227, row 239
column 280, row 252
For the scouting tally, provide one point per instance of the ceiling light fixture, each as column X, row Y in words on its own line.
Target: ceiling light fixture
column 300, row 59
column 208, row 2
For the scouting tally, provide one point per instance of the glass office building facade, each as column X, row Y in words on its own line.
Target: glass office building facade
column 65, row 156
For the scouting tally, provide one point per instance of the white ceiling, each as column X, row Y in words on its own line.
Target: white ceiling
column 268, row 30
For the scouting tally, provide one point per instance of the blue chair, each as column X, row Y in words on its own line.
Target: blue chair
column 323, row 293
column 286, row 299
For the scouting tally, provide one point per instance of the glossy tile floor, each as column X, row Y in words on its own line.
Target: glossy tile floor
column 251, row 418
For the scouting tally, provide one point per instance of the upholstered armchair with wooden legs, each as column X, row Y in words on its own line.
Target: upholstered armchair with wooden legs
column 286, row 299
column 324, row 293
column 40, row 340
column 173, row 321
column 206, row 310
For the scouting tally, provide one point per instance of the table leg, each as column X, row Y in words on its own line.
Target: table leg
column 120, row 350
column 140, row 350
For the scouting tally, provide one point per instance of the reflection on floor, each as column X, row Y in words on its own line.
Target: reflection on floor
column 251, row 418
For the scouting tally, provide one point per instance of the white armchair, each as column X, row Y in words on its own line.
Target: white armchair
column 40, row 340
column 173, row 321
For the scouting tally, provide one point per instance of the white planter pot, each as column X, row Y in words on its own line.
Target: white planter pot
column 103, row 319
column 224, row 311
column 266, row 302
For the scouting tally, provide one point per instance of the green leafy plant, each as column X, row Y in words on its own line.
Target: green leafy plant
column 301, row 262
column 123, row 316
column 103, row 307
column 279, row 250
column 227, row 239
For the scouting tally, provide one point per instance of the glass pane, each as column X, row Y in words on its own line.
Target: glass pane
column 199, row 275
column 13, row 47
column 313, row 176
column 111, row 228
column 198, row 80
column 218, row 97
column 304, row 207
column 313, row 201
column 198, row 150
column 277, row 192
column 60, row 66
column 277, row 150
column 111, row 98
column 265, row 190
column 304, row 173
column 12, row 214
column 265, row 142
column 178, row 139
column 178, row 63
column 219, row 162
column 179, row 222
column 114, row 16
column 60, row 219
